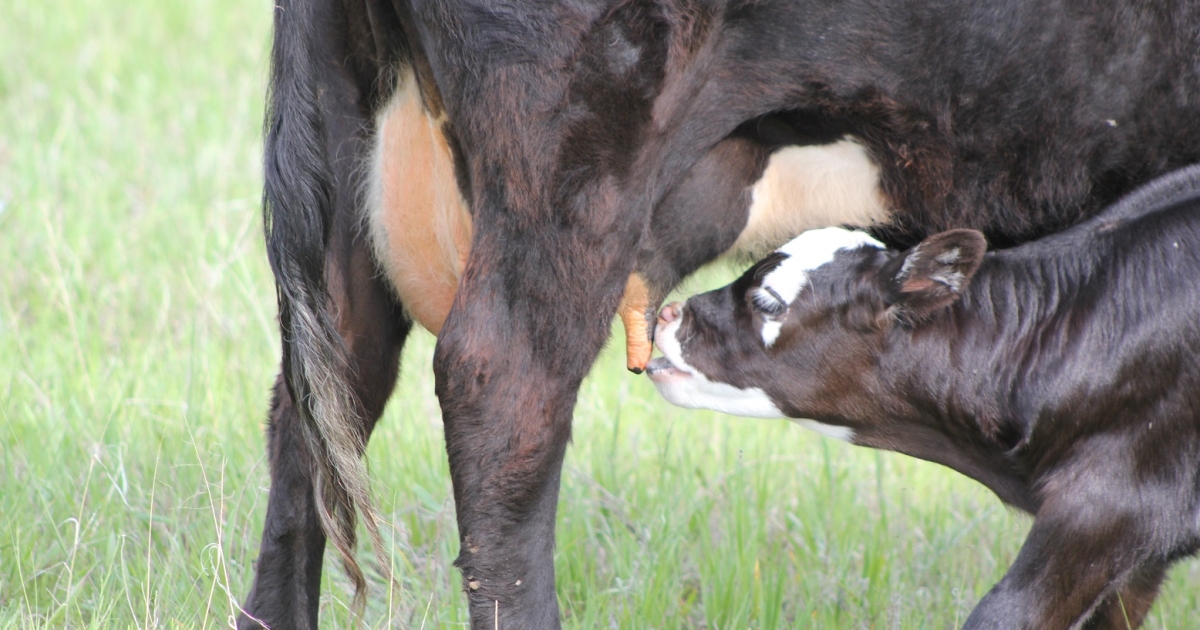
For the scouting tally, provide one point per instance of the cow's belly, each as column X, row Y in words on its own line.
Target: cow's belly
column 420, row 226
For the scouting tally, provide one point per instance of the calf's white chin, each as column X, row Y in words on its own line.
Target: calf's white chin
column 693, row 391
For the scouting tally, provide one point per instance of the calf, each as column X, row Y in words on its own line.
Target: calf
column 1061, row 374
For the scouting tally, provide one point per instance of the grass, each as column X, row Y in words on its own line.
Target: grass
column 137, row 345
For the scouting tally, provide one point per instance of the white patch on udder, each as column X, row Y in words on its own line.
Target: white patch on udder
column 813, row 186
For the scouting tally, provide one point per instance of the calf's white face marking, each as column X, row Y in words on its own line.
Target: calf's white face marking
column 805, row 253
column 770, row 331
column 685, row 386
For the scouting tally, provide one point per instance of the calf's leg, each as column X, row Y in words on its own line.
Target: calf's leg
column 1085, row 564
column 1127, row 607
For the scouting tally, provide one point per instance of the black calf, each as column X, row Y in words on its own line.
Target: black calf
column 1061, row 374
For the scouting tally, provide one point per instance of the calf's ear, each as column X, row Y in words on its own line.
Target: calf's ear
column 932, row 275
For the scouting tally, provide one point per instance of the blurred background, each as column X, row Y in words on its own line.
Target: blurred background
column 138, row 343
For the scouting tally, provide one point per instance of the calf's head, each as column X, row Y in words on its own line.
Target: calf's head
column 801, row 333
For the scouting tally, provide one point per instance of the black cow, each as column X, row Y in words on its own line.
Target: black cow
column 505, row 173
column 1061, row 374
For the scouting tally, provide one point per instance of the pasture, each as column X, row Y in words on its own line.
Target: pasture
column 138, row 343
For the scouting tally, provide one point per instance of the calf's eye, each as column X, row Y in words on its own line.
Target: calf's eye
column 766, row 301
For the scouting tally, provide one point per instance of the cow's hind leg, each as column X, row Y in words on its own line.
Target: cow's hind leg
column 342, row 330
column 288, row 569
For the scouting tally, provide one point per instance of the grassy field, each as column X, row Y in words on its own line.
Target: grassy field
column 137, row 344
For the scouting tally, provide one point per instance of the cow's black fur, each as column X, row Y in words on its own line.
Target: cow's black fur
column 1063, row 376
column 593, row 138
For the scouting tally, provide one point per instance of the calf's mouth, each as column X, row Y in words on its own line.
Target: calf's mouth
column 660, row 369
column 670, row 366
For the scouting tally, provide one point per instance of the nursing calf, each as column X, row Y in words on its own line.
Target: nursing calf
column 1061, row 374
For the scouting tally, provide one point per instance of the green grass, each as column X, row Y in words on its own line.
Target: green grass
column 137, row 345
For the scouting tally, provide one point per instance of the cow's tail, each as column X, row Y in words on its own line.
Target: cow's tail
column 298, row 208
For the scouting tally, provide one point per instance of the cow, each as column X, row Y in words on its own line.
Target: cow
column 1061, row 374
column 511, row 175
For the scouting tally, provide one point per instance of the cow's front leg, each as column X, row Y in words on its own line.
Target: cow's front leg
column 532, row 311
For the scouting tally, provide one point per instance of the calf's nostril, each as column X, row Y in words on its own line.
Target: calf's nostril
column 669, row 313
